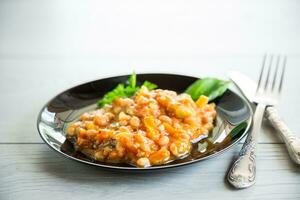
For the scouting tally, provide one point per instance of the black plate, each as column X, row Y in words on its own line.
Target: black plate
column 233, row 118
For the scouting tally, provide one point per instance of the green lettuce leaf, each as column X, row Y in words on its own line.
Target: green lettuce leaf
column 149, row 85
column 210, row 87
column 124, row 90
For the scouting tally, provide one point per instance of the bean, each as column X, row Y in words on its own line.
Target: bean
column 82, row 142
column 120, row 150
column 135, row 122
column 99, row 155
column 124, row 102
column 163, row 140
column 183, row 111
column 123, row 117
column 109, row 115
column 71, row 130
column 143, row 162
column 124, row 129
column 123, row 123
column 179, row 148
column 101, row 120
column 161, row 128
column 145, row 147
column 165, row 118
column 113, row 155
column 130, row 110
column 206, row 119
column 117, row 109
column 190, row 120
column 142, row 100
column 174, row 149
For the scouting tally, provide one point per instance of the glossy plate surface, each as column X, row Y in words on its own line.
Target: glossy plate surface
column 232, row 123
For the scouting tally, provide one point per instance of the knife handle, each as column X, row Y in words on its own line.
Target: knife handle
column 291, row 141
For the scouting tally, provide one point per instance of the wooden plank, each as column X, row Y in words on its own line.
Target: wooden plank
column 36, row 172
column 26, row 89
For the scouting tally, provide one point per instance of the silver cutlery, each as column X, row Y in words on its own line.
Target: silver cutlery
column 247, row 88
column 243, row 172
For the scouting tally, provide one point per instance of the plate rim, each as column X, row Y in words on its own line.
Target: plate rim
column 152, row 168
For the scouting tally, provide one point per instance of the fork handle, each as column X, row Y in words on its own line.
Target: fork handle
column 243, row 171
column 292, row 142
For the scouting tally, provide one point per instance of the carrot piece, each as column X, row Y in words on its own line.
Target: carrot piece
column 149, row 123
column 159, row 157
column 202, row 101
column 171, row 130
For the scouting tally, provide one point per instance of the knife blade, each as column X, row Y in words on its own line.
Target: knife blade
column 247, row 87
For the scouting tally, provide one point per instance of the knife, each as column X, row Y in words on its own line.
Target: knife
column 247, row 87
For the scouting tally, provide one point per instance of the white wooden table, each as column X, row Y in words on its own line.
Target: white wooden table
column 49, row 46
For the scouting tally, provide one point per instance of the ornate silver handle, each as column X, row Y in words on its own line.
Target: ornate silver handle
column 243, row 171
column 291, row 141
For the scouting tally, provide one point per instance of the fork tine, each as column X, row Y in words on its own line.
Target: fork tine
column 282, row 74
column 261, row 73
column 271, row 81
column 269, row 72
column 275, row 73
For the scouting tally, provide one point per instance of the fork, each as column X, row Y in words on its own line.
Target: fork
column 242, row 174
